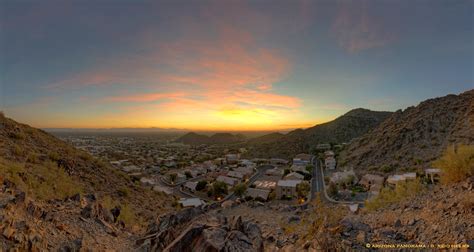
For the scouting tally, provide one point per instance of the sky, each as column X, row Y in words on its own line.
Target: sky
column 227, row 65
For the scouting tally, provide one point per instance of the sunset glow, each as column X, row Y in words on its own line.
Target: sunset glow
column 238, row 65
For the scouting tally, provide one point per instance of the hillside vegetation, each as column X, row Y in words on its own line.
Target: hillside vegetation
column 48, row 172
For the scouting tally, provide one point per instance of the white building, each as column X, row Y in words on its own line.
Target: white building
column 191, row 202
column 330, row 163
column 303, row 159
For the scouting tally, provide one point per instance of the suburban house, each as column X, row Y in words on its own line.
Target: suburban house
column 257, row 193
column 328, row 154
column 274, row 172
column 236, row 175
column 330, row 163
column 286, row 188
column 246, row 171
column 294, row 176
column 247, row 163
column 369, row 180
column 278, row 161
column 323, row 146
column 192, row 202
column 343, row 176
column 228, row 180
column 303, row 159
column 148, row 181
column 232, row 158
column 190, row 185
column 299, row 168
column 394, row 179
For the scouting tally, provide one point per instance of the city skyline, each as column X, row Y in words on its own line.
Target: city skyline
column 233, row 65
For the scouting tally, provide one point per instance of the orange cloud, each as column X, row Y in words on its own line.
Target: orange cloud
column 144, row 97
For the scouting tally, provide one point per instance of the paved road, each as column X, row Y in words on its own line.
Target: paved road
column 317, row 179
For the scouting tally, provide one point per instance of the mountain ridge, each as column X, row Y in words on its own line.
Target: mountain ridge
column 413, row 137
column 342, row 129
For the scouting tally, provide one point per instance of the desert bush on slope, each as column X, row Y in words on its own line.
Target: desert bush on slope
column 388, row 196
column 457, row 163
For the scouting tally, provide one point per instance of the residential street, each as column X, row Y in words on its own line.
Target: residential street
column 317, row 180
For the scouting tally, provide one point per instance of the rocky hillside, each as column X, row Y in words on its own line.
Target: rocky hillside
column 343, row 129
column 414, row 137
column 202, row 229
column 444, row 215
column 39, row 171
column 218, row 138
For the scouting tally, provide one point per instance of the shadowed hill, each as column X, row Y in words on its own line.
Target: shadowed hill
column 218, row 138
column 343, row 129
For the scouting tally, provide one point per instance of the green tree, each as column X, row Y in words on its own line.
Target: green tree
column 188, row 174
column 201, row 185
column 219, row 188
column 309, row 168
column 173, row 177
column 240, row 189
column 286, row 172
column 303, row 189
column 332, row 189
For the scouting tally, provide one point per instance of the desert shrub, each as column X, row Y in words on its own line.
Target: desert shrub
column 18, row 135
column 240, row 189
column 32, row 157
column 321, row 223
column 188, row 174
column 18, row 150
column 127, row 213
column 456, row 163
column 387, row 168
column 42, row 181
column 53, row 156
column 387, row 196
column 123, row 191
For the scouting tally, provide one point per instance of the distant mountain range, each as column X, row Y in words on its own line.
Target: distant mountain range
column 343, row 129
column 414, row 137
column 218, row 138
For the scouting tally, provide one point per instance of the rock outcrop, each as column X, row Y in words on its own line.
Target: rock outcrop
column 205, row 232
